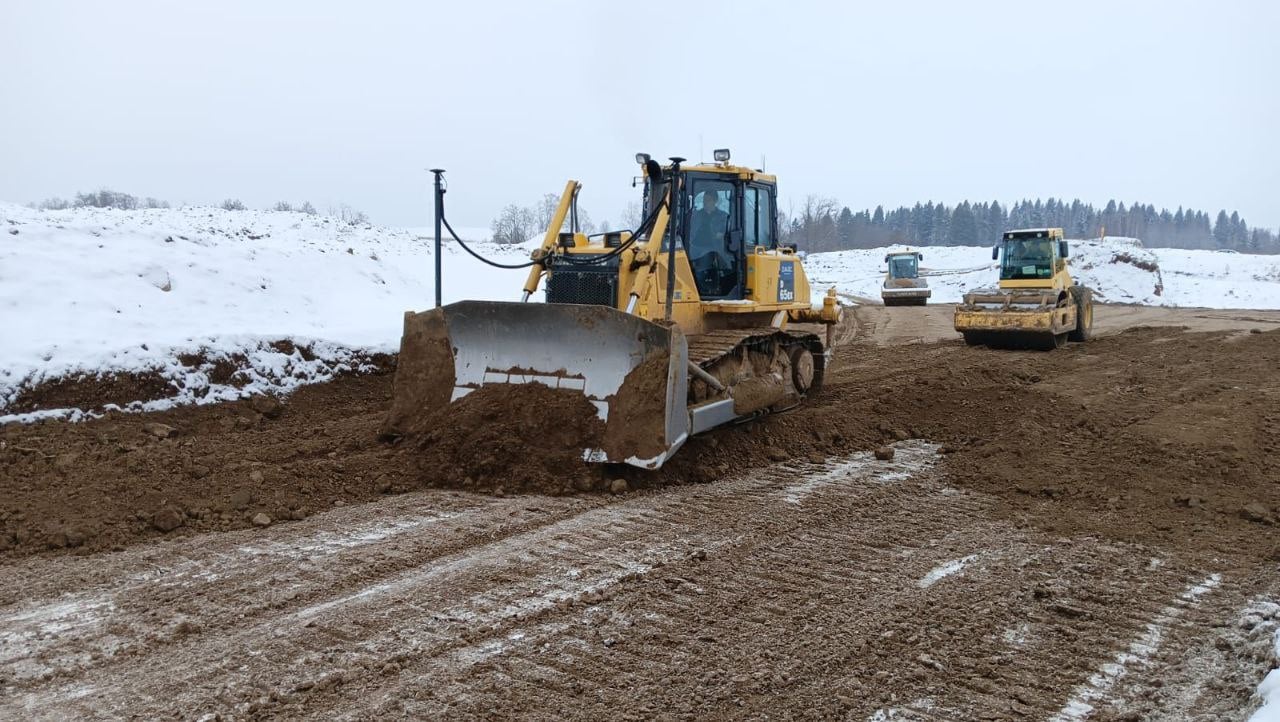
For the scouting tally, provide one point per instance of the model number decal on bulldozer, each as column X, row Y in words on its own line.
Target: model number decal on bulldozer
column 787, row 281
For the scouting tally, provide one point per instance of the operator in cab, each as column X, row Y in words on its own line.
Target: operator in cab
column 713, row 262
column 706, row 232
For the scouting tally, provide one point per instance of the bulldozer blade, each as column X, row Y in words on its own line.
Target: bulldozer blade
column 632, row 370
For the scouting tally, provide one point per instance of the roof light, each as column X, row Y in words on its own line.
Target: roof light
column 642, row 158
column 721, row 155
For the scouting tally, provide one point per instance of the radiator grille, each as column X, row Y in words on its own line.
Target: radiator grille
column 590, row 285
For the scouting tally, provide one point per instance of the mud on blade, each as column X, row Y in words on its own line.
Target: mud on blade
column 632, row 370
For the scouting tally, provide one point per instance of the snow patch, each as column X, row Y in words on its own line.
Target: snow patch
column 944, row 570
column 910, row 457
column 1017, row 636
column 1269, row 688
column 27, row 635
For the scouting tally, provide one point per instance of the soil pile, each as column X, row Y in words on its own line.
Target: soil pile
column 106, row 483
column 508, row 438
column 638, row 412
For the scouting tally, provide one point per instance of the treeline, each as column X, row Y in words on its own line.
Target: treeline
column 107, row 198
column 823, row 225
column 517, row 224
column 101, row 199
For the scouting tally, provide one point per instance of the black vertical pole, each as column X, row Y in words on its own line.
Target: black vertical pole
column 439, row 173
column 674, row 229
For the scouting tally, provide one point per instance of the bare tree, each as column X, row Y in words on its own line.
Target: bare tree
column 633, row 215
column 233, row 204
column 584, row 222
column 106, row 198
column 513, row 224
column 283, row 206
column 545, row 209
column 352, row 216
column 346, row 214
column 817, row 223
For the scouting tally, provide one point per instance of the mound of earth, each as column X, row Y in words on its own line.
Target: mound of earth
column 110, row 482
column 508, row 438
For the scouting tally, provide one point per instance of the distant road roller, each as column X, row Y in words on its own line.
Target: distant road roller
column 903, row 285
column 1036, row 304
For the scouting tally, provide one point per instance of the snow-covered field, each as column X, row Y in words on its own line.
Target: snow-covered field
column 101, row 290
column 1120, row 270
column 88, row 291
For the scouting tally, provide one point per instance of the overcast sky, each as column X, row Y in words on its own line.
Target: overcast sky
column 1163, row 102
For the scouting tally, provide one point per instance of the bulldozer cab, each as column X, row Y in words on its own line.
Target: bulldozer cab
column 1031, row 255
column 727, row 213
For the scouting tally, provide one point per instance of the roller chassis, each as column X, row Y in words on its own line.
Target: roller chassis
column 1025, row 318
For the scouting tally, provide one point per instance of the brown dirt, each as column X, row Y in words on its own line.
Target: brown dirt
column 1081, row 427
column 99, row 485
column 1126, row 258
column 504, row 438
column 424, row 377
column 1077, row 497
column 92, row 390
column 638, row 412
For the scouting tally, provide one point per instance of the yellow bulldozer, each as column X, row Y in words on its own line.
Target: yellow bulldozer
column 1036, row 305
column 685, row 324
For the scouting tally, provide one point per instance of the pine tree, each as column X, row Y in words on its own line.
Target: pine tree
column 1222, row 230
column 963, row 231
column 844, row 228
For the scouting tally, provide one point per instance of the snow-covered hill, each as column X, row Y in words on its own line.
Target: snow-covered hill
column 101, row 290
column 1120, row 270
column 178, row 293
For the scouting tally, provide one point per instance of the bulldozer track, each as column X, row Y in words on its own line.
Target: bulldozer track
column 706, row 348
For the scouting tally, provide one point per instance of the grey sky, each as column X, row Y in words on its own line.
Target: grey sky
column 1162, row 102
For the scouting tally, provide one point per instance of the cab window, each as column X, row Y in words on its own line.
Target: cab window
column 764, row 218
column 1027, row 258
column 714, row 259
column 903, row 267
column 757, row 217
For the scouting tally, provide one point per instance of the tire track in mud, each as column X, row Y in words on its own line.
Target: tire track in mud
column 800, row 587
column 612, row 535
column 1138, row 652
column 1208, row 664
column 224, row 575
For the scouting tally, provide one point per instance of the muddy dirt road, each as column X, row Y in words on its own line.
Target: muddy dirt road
column 896, row 325
column 1084, row 534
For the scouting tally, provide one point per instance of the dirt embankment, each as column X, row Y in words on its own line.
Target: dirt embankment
column 507, row 438
column 190, row 376
column 1151, row 434
column 113, row 481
